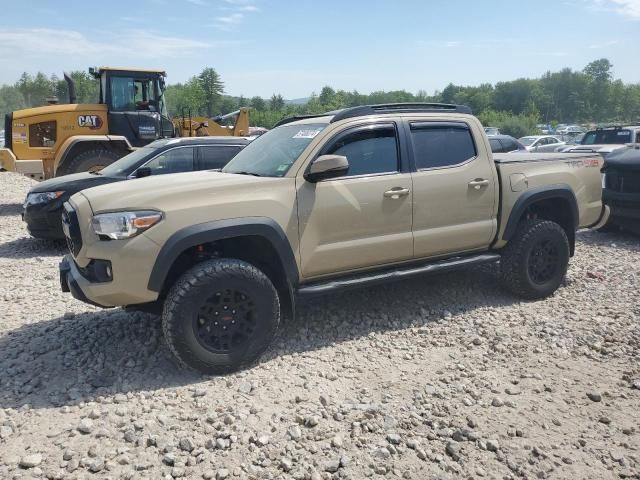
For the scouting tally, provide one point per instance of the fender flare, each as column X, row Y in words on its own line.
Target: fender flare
column 219, row 230
column 71, row 142
column 529, row 197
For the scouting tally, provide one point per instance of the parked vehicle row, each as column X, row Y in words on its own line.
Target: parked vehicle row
column 541, row 143
column 320, row 204
column 43, row 205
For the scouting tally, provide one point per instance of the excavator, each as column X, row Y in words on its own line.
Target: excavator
column 60, row 139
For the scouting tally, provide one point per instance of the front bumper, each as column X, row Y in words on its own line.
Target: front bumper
column 44, row 219
column 69, row 282
column 623, row 205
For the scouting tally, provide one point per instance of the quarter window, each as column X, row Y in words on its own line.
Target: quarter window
column 369, row 150
column 42, row 134
column 441, row 145
column 172, row 161
column 215, row 156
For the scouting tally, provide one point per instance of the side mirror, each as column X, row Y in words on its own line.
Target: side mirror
column 143, row 172
column 327, row 166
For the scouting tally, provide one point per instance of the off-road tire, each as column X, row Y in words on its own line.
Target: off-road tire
column 516, row 258
column 193, row 291
column 86, row 161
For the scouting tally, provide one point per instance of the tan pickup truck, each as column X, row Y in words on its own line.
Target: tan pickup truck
column 319, row 204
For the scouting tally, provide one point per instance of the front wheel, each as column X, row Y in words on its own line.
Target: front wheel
column 220, row 316
column 534, row 262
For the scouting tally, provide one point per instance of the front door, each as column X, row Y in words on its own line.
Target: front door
column 362, row 219
column 455, row 190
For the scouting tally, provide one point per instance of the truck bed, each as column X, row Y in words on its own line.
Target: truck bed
column 526, row 173
column 541, row 157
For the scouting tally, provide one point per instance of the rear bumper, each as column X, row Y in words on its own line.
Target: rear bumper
column 604, row 218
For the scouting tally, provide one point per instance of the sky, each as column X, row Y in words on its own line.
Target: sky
column 295, row 47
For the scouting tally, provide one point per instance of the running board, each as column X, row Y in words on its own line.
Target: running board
column 375, row 278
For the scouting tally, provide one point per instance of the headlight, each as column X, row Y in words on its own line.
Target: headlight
column 119, row 225
column 44, row 197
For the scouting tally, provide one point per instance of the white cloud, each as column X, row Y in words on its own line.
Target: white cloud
column 626, row 8
column 18, row 43
column 237, row 10
column 232, row 19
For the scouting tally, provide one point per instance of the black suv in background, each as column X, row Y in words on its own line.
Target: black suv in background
column 621, row 182
column 43, row 205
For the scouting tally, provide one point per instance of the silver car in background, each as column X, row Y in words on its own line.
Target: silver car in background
column 541, row 143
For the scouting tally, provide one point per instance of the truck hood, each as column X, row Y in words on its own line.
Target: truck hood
column 627, row 160
column 73, row 183
column 174, row 192
column 604, row 148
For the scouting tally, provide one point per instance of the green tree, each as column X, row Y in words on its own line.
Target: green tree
column 276, row 103
column 213, row 88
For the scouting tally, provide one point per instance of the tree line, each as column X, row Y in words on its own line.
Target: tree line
column 590, row 95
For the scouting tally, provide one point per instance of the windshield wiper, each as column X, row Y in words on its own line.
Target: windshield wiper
column 95, row 173
column 247, row 173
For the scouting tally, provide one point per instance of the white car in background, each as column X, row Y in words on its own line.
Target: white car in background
column 541, row 143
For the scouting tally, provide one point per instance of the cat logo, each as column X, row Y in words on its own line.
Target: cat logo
column 94, row 122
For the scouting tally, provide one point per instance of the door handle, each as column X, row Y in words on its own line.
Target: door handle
column 478, row 183
column 396, row 192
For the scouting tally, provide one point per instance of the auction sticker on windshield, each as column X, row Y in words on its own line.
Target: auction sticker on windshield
column 309, row 133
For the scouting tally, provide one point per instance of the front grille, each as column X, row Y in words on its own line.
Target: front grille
column 623, row 182
column 71, row 228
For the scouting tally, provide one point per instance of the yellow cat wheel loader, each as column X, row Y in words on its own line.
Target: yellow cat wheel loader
column 54, row 140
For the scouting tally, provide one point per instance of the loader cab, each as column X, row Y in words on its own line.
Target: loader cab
column 136, row 103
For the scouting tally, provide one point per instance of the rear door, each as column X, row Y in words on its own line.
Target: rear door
column 212, row 157
column 455, row 188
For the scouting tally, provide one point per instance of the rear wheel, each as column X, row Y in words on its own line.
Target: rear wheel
column 220, row 316
column 88, row 161
column 534, row 262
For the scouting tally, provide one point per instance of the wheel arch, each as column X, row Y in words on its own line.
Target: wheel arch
column 81, row 143
column 554, row 202
column 257, row 240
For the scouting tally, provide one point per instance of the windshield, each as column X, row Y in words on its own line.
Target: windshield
column 527, row 141
column 599, row 137
column 127, row 164
column 272, row 154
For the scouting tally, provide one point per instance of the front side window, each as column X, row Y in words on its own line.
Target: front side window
column 175, row 160
column 441, row 145
column 369, row 151
column 130, row 94
column 215, row 156
column 272, row 154
column 42, row 134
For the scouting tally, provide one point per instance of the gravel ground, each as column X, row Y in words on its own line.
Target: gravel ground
column 442, row 377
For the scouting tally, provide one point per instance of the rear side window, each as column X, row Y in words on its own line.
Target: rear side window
column 437, row 145
column 215, row 156
column 496, row 146
column 175, row 160
column 368, row 150
column 509, row 145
